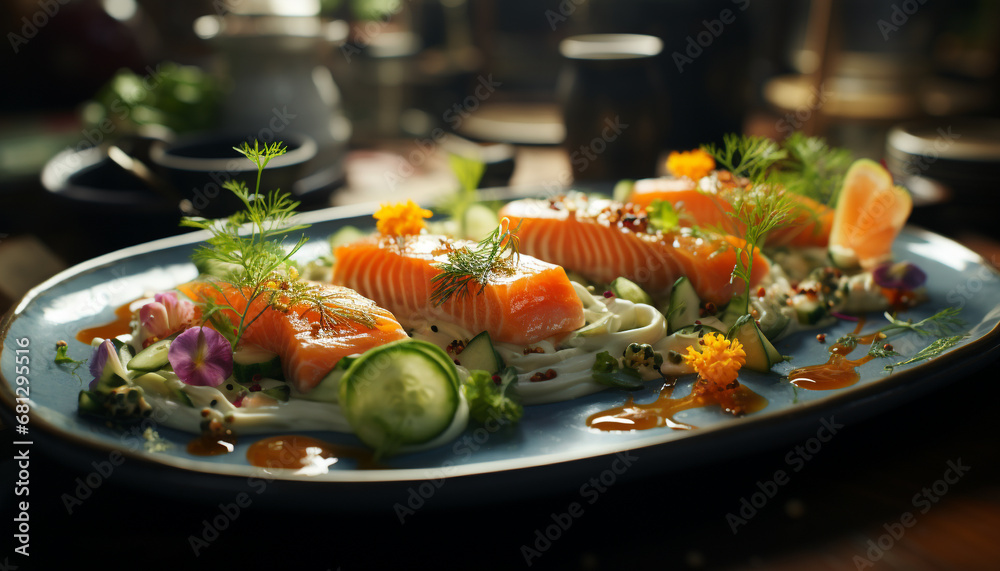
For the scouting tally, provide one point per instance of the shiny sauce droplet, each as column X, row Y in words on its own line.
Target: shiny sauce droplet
column 120, row 326
column 208, row 444
column 306, row 454
column 631, row 416
column 839, row 371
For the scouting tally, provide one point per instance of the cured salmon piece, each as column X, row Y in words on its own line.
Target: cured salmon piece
column 810, row 222
column 602, row 240
column 307, row 348
column 534, row 301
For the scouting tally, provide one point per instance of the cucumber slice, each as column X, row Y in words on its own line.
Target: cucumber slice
column 630, row 291
column 735, row 309
column 124, row 352
column 809, row 308
column 88, row 403
column 684, row 305
column 479, row 221
column 344, row 236
column 248, row 362
column 761, row 354
column 152, row 358
column 479, row 354
column 696, row 330
column 404, row 392
column 157, row 384
column 599, row 327
column 771, row 320
column 843, row 258
column 623, row 190
column 153, row 383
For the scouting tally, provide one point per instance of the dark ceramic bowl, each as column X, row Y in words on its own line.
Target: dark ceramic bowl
column 199, row 166
column 105, row 204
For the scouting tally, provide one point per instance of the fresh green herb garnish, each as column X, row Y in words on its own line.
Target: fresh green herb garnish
column 662, row 216
column 256, row 263
column 468, row 172
column 940, row 324
column 495, row 254
column 813, row 168
column 64, row 360
column 881, row 351
column 608, row 371
column 491, row 400
column 933, row 350
column 747, row 156
column 758, row 206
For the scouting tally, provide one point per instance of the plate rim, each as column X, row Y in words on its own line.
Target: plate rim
column 972, row 352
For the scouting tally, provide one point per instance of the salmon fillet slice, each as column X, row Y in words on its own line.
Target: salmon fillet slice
column 535, row 301
column 602, row 240
column 809, row 225
column 307, row 348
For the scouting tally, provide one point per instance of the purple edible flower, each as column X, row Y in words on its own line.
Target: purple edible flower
column 899, row 275
column 104, row 355
column 201, row 356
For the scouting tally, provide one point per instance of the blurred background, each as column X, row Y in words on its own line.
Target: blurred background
column 115, row 110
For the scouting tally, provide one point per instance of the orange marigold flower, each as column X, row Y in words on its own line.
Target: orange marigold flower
column 401, row 219
column 719, row 360
column 692, row 164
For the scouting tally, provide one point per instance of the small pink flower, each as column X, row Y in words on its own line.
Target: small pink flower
column 201, row 356
column 164, row 316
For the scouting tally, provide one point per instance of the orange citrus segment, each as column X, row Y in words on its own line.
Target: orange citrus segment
column 869, row 215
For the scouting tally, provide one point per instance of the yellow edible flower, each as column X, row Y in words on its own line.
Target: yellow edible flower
column 401, row 219
column 692, row 164
column 719, row 360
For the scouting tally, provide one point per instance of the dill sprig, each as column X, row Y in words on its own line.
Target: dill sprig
column 941, row 324
column 937, row 347
column 746, row 156
column 758, row 206
column 497, row 253
column 814, row 168
column 247, row 251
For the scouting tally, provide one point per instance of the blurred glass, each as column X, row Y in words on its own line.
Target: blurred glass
column 614, row 105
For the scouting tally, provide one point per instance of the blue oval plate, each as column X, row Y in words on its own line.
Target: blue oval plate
column 535, row 457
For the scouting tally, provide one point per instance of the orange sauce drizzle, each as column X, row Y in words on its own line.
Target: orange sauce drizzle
column 209, row 444
column 631, row 416
column 120, row 326
column 839, row 371
column 297, row 452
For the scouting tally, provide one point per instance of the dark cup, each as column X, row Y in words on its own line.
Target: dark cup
column 614, row 105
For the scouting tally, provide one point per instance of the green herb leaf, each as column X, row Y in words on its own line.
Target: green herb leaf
column 627, row 379
column 468, row 172
column 662, row 216
column 937, row 347
column 65, row 361
column 813, row 168
column 608, row 371
column 605, row 363
column 747, row 156
column 246, row 252
column 489, row 400
column 879, row 351
column 758, row 206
